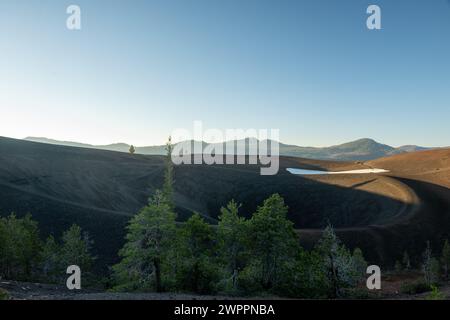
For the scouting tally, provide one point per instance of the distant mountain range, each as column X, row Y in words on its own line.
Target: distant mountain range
column 359, row 150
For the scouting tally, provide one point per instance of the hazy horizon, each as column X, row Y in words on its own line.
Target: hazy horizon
column 30, row 138
column 312, row 69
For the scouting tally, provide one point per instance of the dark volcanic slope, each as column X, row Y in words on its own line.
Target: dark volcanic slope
column 62, row 185
column 100, row 190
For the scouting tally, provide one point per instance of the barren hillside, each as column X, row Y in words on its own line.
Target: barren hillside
column 100, row 191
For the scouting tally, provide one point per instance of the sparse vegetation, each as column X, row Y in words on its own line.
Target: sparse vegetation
column 3, row 294
column 435, row 294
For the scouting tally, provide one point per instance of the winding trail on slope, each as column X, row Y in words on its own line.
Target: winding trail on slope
column 72, row 203
column 425, row 216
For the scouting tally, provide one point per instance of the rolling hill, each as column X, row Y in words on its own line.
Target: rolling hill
column 359, row 150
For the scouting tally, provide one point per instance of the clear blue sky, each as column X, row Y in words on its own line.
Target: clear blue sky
column 139, row 69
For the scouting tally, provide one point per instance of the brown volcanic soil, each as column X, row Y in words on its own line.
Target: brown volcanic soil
column 431, row 166
column 427, row 174
column 384, row 214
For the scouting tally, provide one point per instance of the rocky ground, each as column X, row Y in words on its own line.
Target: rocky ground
column 37, row 291
column 391, row 290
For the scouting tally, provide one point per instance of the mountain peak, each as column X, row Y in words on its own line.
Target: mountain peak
column 366, row 140
column 363, row 141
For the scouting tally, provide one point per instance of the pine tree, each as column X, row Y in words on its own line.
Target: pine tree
column 76, row 250
column 31, row 244
column 303, row 277
column 197, row 272
column 132, row 149
column 328, row 247
column 19, row 247
column 339, row 265
column 430, row 266
column 274, row 241
column 51, row 267
column 168, row 175
column 232, row 234
column 445, row 259
column 359, row 263
column 149, row 241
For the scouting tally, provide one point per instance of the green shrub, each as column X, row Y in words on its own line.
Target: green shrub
column 414, row 287
column 3, row 294
column 435, row 294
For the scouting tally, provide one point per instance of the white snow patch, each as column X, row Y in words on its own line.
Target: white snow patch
column 316, row 172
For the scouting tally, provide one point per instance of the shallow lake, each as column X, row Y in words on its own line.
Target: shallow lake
column 313, row 172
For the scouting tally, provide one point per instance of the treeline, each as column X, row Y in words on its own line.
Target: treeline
column 237, row 257
column 23, row 256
